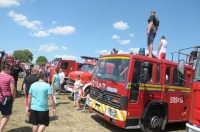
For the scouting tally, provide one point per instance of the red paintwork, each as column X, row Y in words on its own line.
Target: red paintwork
column 176, row 111
column 85, row 76
column 72, row 66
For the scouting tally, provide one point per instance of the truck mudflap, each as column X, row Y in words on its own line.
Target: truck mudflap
column 103, row 109
column 192, row 128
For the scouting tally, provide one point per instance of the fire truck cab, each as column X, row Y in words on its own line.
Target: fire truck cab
column 137, row 92
column 67, row 66
column 86, row 71
column 4, row 57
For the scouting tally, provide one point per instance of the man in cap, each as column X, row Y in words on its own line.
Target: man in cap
column 152, row 28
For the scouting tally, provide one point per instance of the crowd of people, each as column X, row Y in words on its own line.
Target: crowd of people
column 38, row 91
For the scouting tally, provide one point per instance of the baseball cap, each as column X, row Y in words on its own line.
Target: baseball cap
column 153, row 11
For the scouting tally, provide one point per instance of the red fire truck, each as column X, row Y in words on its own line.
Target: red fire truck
column 67, row 66
column 137, row 92
column 193, row 124
column 4, row 57
column 10, row 59
column 85, row 72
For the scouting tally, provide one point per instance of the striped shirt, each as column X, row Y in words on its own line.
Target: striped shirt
column 5, row 81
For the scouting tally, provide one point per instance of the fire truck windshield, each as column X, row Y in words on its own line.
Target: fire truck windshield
column 197, row 70
column 54, row 63
column 87, row 68
column 113, row 69
column 9, row 60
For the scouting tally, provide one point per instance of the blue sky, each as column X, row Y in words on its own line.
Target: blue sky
column 72, row 28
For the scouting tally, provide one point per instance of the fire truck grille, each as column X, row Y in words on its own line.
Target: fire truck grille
column 105, row 97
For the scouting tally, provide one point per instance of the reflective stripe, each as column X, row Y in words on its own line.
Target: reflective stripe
column 120, row 114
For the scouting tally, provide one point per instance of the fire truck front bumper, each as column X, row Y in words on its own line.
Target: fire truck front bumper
column 112, row 115
column 192, row 128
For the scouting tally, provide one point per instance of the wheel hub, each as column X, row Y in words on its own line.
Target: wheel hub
column 155, row 121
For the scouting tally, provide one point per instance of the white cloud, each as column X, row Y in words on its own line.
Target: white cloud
column 48, row 47
column 131, row 35
column 66, row 57
column 122, row 52
column 62, row 30
column 54, row 22
column 120, row 25
column 115, row 37
column 136, row 51
column 102, row 52
column 41, row 34
column 23, row 20
column 9, row 3
column 124, row 42
column 64, row 48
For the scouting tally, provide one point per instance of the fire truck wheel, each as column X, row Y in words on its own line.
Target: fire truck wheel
column 153, row 120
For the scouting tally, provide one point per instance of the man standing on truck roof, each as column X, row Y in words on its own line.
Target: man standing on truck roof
column 152, row 28
column 162, row 48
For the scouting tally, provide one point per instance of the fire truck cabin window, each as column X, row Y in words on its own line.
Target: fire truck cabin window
column 176, row 76
column 167, row 76
column 157, row 73
column 150, row 73
column 64, row 65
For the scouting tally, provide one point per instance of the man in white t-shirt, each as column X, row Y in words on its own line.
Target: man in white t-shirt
column 162, row 48
column 62, row 78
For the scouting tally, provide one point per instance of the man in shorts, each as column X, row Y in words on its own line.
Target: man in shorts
column 39, row 94
column 28, row 81
column 162, row 48
column 151, row 32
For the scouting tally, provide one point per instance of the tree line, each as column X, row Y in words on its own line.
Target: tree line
column 26, row 56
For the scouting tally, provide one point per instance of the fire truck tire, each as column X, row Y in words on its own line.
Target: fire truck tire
column 153, row 120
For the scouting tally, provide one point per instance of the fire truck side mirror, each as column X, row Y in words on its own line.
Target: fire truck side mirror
column 145, row 72
column 181, row 65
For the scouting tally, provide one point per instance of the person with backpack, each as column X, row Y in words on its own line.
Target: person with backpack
column 152, row 28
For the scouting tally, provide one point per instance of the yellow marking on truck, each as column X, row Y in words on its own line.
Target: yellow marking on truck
column 120, row 114
column 114, row 57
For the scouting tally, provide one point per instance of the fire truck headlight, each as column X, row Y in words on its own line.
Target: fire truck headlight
column 111, row 112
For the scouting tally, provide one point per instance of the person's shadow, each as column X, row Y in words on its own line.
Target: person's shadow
column 53, row 118
column 21, row 129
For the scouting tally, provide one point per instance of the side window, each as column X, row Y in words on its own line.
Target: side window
column 63, row 65
column 150, row 73
column 176, row 79
column 167, row 76
column 135, row 82
column 157, row 73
